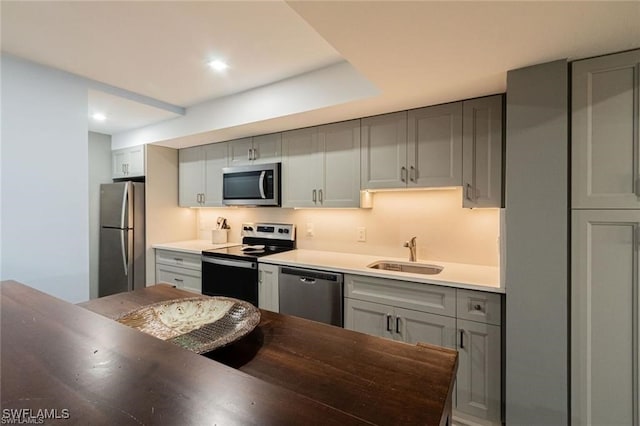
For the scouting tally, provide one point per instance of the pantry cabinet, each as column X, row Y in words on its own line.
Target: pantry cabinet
column 605, row 316
column 321, row 166
column 200, row 175
column 127, row 162
column 466, row 320
column 605, row 138
column 255, row 150
column 482, row 146
column 419, row 148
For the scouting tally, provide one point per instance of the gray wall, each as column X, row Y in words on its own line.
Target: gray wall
column 537, row 245
column 99, row 172
column 44, row 196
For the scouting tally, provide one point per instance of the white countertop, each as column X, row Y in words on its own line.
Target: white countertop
column 475, row 277
column 192, row 246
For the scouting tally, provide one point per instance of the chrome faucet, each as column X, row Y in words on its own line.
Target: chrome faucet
column 411, row 244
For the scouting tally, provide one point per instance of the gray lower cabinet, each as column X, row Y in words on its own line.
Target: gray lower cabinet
column 466, row 320
column 180, row 269
column 268, row 297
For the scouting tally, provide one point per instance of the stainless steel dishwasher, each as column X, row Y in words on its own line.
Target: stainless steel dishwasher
column 310, row 294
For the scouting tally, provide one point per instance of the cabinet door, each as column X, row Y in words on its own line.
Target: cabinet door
column 421, row 327
column 301, row 168
column 604, row 132
column 267, row 148
column 239, row 152
column 434, row 148
column 119, row 163
column 340, row 151
column 215, row 159
column 482, row 143
column 479, row 373
column 384, row 151
column 369, row 318
column 135, row 162
column 604, row 317
column 268, row 288
column 190, row 176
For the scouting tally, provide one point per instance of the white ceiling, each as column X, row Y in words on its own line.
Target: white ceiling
column 415, row 53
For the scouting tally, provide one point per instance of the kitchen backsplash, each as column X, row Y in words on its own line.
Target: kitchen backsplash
column 445, row 230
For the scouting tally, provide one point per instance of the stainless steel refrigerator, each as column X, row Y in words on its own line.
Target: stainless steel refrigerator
column 122, row 246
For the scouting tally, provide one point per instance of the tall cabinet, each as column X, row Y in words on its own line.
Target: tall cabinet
column 605, row 293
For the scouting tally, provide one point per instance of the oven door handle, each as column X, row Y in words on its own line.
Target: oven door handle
column 229, row 262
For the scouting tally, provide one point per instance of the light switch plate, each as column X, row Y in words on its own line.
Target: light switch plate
column 362, row 234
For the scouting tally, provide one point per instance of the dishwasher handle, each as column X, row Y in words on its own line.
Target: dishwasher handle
column 310, row 276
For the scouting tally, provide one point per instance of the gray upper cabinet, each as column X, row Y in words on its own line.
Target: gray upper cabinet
column 321, row 166
column 434, row 141
column 482, row 144
column 256, row 150
column 384, row 151
column 200, row 175
column 605, row 126
column 419, row 148
column 128, row 162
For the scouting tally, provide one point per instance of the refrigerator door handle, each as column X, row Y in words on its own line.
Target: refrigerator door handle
column 123, row 212
column 125, row 261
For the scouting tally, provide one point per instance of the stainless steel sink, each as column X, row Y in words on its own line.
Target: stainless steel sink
column 413, row 268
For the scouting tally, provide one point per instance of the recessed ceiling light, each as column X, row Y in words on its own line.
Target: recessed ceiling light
column 99, row 116
column 218, row 65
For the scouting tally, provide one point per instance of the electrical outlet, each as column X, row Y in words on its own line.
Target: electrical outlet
column 362, row 234
column 310, row 233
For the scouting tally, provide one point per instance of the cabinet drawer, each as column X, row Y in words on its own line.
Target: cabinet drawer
column 186, row 279
column 478, row 306
column 405, row 294
column 179, row 259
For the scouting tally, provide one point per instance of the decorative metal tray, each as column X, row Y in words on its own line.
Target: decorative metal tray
column 199, row 324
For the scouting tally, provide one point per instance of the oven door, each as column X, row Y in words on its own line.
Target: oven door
column 230, row 278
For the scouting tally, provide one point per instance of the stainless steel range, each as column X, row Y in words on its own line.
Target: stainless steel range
column 233, row 271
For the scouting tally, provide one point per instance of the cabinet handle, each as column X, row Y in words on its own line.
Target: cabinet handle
column 468, row 188
column 178, row 280
column 403, row 174
column 398, row 325
column 313, row 195
column 178, row 260
column 127, row 168
column 461, row 339
column 203, row 198
column 477, row 307
column 412, row 174
column 122, row 167
column 389, row 323
column 198, row 199
column 254, row 154
column 320, row 196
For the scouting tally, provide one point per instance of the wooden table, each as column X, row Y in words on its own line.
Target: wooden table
column 287, row 371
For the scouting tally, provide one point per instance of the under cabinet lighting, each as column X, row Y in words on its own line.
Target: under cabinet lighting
column 99, row 117
column 218, row 65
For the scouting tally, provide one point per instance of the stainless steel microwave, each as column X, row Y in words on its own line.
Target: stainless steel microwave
column 255, row 185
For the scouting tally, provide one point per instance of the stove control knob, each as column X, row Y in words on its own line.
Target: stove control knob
column 247, row 228
column 280, row 230
column 286, row 231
